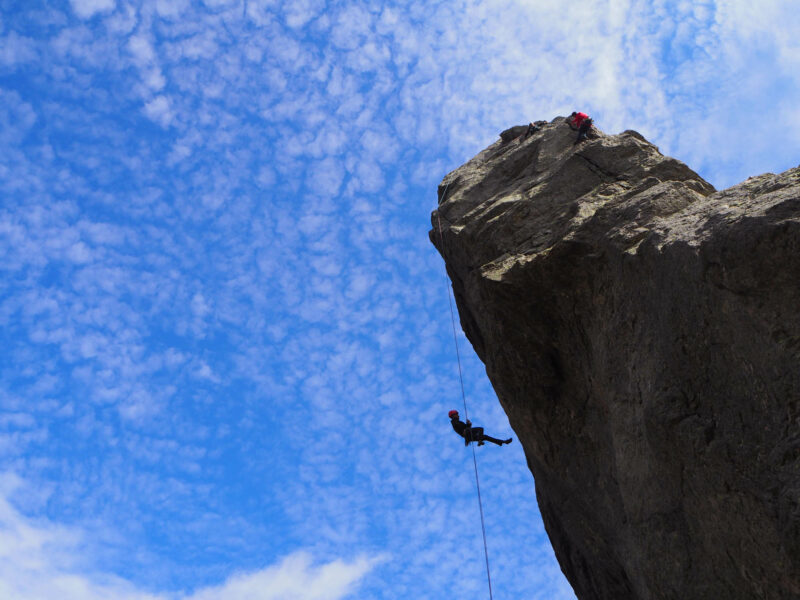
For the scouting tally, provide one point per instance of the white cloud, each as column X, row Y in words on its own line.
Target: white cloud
column 16, row 117
column 300, row 12
column 123, row 21
column 144, row 56
column 171, row 8
column 326, row 177
column 258, row 11
column 200, row 306
column 141, row 48
column 200, row 46
column 159, row 110
column 41, row 560
column 220, row 3
column 296, row 577
column 203, row 371
column 79, row 253
column 88, row 8
column 16, row 49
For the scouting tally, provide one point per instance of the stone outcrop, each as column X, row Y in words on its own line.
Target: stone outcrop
column 642, row 332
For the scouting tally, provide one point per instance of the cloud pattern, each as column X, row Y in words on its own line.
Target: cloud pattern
column 225, row 334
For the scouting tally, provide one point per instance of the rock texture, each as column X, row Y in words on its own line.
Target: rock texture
column 642, row 332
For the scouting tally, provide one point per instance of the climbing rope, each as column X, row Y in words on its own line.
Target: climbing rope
column 464, row 399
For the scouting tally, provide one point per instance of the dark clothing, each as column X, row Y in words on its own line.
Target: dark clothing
column 533, row 128
column 474, row 434
column 488, row 438
column 583, row 130
column 459, row 426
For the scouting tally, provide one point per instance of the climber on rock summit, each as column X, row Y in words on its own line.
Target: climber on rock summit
column 532, row 128
column 582, row 122
column 470, row 433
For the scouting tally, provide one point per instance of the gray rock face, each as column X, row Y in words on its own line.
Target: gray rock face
column 642, row 332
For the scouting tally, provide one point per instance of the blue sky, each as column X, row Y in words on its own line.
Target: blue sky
column 225, row 354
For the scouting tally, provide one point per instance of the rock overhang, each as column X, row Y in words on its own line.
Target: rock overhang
column 640, row 328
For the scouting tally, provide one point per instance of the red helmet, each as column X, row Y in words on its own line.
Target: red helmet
column 452, row 413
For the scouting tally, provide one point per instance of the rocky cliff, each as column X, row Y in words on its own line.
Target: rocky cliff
column 642, row 332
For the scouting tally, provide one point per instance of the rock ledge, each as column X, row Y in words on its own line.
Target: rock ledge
column 642, row 333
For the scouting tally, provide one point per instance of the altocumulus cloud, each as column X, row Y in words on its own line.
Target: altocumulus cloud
column 88, row 8
column 221, row 321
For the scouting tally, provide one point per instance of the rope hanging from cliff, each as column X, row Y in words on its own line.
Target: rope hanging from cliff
column 464, row 399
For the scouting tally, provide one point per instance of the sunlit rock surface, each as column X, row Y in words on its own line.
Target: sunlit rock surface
column 642, row 332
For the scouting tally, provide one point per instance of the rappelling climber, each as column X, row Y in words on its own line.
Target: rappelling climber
column 470, row 433
column 582, row 122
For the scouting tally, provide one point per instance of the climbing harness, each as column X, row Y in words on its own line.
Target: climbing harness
column 464, row 398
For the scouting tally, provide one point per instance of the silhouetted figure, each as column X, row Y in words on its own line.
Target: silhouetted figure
column 470, row 433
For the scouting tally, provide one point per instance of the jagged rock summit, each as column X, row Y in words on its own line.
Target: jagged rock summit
column 642, row 332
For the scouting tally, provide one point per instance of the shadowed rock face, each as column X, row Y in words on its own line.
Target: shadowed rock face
column 642, row 332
